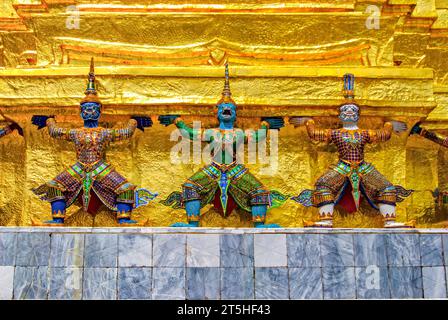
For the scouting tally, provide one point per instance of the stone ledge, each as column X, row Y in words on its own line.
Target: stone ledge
column 222, row 263
column 162, row 230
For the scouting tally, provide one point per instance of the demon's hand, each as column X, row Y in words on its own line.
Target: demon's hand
column 40, row 121
column 416, row 129
column 166, row 120
column 298, row 121
column 142, row 122
column 274, row 122
column 399, row 126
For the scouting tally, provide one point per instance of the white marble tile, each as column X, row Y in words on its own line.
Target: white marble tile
column 31, row 283
column 100, row 284
column 270, row 250
column 67, row 250
column 101, row 250
column 168, row 284
column 203, row 250
column 169, row 250
column 65, row 283
column 6, row 283
column 135, row 250
column 434, row 283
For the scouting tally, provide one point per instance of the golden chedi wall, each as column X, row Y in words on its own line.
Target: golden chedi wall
column 166, row 57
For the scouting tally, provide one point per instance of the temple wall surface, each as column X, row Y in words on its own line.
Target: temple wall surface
column 216, row 263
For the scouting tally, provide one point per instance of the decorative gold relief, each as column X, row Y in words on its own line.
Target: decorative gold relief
column 158, row 57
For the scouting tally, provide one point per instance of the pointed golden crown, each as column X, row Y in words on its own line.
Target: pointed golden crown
column 226, row 95
column 91, row 94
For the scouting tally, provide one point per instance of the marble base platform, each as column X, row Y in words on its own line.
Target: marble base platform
column 216, row 263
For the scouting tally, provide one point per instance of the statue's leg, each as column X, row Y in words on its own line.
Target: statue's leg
column 58, row 208
column 329, row 184
column 250, row 194
column 125, row 204
column 386, row 198
column 191, row 196
column 193, row 209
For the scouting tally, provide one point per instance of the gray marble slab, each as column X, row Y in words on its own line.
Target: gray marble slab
column 237, row 250
column 6, row 282
column 337, row 250
column 203, row 250
column 8, row 249
column 67, row 250
column 305, row 283
column 270, row 250
column 403, row 250
column 370, row 249
column 101, row 250
column 65, row 283
column 271, row 283
column 372, row 282
column 406, row 282
column 31, row 283
column 434, row 283
column 203, row 283
column 339, row 282
column 237, row 283
column 304, row 250
column 445, row 248
column 135, row 250
column 431, row 250
column 33, row 249
column 100, row 284
column 134, row 283
column 169, row 250
column 168, row 283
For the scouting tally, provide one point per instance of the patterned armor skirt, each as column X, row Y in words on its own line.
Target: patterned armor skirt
column 359, row 179
column 223, row 185
column 81, row 182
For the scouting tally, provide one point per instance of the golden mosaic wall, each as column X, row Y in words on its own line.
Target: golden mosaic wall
column 286, row 59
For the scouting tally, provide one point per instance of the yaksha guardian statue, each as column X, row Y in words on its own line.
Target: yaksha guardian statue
column 430, row 135
column 92, row 181
column 352, row 178
column 226, row 183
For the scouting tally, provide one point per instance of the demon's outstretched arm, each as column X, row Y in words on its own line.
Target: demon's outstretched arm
column 430, row 135
column 317, row 134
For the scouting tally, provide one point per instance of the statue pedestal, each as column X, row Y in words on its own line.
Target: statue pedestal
column 215, row 263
